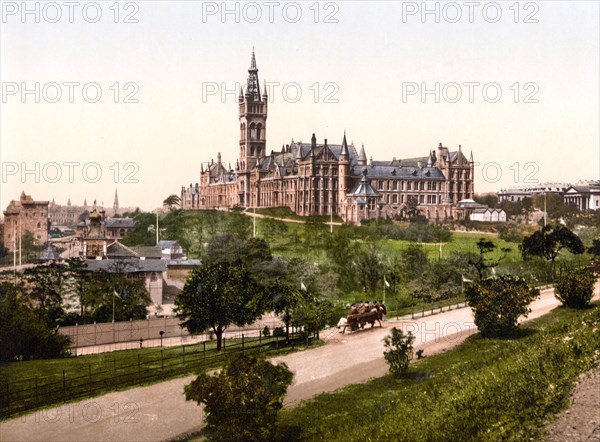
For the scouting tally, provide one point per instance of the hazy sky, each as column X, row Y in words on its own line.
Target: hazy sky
column 516, row 83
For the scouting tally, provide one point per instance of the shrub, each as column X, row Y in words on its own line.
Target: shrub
column 399, row 351
column 242, row 401
column 266, row 331
column 576, row 288
column 278, row 332
column 498, row 302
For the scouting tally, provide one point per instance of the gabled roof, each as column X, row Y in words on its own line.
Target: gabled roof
column 116, row 249
column 120, row 223
column 148, row 251
column 364, row 188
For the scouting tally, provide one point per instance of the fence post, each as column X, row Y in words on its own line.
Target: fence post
column 183, row 355
column 242, row 343
column 90, row 377
column 223, row 344
column 161, row 358
column 115, row 371
column 8, row 397
column 36, row 392
column 64, row 386
column 204, row 350
column 139, row 371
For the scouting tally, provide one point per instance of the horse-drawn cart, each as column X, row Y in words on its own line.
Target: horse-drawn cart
column 361, row 315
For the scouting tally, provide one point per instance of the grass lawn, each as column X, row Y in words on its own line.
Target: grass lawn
column 484, row 389
column 29, row 385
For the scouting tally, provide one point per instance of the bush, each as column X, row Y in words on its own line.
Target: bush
column 399, row 351
column 266, row 331
column 576, row 288
column 498, row 302
column 242, row 401
column 278, row 332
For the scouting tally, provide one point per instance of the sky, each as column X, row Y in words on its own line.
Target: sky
column 135, row 96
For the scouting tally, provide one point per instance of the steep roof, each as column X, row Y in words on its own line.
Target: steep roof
column 131, row 265
column 120, row 223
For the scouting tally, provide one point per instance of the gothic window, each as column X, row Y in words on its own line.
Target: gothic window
column 153, row 276
column 39, row 225
column 408, row 186
column 258, row 131
column 395, row 185
column 394, row 199
column 253, row 131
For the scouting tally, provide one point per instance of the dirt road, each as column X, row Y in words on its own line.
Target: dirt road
column 160, row 412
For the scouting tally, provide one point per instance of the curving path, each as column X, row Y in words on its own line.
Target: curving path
column 160, row 412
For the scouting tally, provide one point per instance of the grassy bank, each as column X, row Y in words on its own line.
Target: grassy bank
column 29, row 385
column 484, row 389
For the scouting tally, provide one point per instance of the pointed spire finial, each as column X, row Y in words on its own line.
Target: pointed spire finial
column 344, row 150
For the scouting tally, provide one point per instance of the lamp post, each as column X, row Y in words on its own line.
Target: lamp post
column 161, row 333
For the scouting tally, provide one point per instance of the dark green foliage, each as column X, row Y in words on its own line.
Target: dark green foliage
column 398, row 351
column 482, row 390
column 575, row 289
column 242, row 401
column 266, row 332
column 549, row 241
column 217, row 295
column 25, row 333
column 483, row 261
column 497, row 303
column 284, row 299
column 595, row 248
column 278, row 332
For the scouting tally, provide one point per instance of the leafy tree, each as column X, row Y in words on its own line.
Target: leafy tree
column 43, row 289
column 548, row 242
column 576, row 288
column 242, row 400
column 483, row 261
column 399, row 351
column 595, row 248
column 272, row 228
column 314, row 314
column 285, row 298
column 129, row 295
column 369, row 268
column 498, row 302
column 25, row 334
column 488, row 199
column 172, row 202
column 414, row 262
column 217, row 295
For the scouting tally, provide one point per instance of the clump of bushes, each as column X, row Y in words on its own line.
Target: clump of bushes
column 399, row 351
column 498, row 302
column 576, row 288
column 242, row 401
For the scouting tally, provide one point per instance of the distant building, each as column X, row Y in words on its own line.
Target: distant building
column 488, row 215
column 25, row 215
column 514, row 194
column 586, row 196
column 328, row 179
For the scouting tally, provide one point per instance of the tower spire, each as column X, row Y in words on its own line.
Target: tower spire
column 253, row 86
column 116, row 203
column 344, row 146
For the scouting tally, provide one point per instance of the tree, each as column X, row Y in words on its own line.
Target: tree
column 482, row 261
column 399, row 351
column 171, row 202
column 242, row 400
column 576, row 288
column 498, row 302
column 43, row 288
column 285, row 298
column 272, row 228
column 369, row 268
column 217, row 295
column 25, row 334
column 595, row 248
column 548, row 242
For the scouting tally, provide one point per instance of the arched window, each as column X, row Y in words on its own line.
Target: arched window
column 153, row 277
column 39, row 225
column 258, row 131
column 253, row 131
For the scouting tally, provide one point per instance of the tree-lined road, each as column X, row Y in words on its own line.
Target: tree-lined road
column 160, row 412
